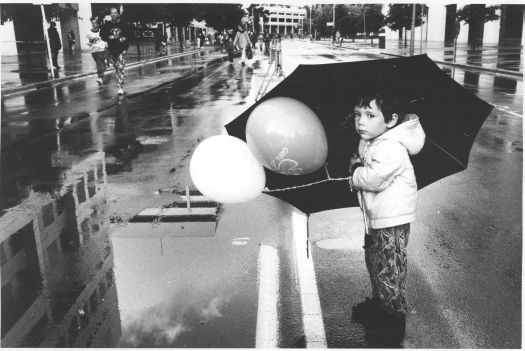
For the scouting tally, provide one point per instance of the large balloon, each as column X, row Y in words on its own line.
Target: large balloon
column 287, row 137
column 223, row 168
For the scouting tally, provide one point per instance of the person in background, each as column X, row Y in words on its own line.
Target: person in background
column 117, row 33
column 54, row 43
column 267, row 38
column 71, row 41
column 242, row 41
column 230, row 48
column 98, row 49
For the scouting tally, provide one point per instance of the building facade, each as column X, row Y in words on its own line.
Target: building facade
column 284, row 19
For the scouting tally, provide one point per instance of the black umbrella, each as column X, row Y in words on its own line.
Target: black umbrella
column 450, row 115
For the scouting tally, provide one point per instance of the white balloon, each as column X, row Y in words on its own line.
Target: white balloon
column 223, row 168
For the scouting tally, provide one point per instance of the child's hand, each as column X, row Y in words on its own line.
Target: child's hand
column 353, row 160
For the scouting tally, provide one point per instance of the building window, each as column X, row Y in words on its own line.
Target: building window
column 47, row 214
column 100, row 172
column 81, row 194
column 91, row 176
column 92, row 190
column 61, row 204
column 3, row 257
column 16, row 241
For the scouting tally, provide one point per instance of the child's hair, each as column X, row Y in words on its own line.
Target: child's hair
column 389, row 104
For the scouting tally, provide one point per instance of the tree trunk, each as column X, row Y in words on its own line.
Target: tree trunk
column 404, row 28
column 400, row 34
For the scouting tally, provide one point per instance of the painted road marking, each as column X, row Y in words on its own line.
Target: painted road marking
column 311, row 306
column 267, row 333
column 506, row 109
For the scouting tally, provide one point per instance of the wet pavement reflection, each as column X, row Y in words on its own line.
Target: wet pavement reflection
column 58, row 287
column 77, row 273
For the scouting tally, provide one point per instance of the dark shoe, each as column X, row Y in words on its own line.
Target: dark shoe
column 388, row 330
column 367, row 311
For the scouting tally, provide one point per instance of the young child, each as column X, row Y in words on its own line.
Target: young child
column 385, row 179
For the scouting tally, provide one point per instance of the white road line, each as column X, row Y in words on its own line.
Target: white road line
column 507, row 111
column 267, row 331
column 311, row 306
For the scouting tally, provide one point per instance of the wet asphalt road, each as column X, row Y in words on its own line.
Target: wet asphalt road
column 197, row 286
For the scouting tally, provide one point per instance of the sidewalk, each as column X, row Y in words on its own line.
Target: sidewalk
column 505, row 59
column 27, row 70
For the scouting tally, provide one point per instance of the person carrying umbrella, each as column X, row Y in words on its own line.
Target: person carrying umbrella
column 385, row 178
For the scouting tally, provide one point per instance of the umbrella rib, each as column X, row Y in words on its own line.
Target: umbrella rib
column 448, row 153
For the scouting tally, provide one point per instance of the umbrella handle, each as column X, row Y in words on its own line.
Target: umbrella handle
column 363, row 211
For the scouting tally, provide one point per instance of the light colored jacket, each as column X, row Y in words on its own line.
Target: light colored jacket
column 242, row 40
column 387, row 178
column 95, row 43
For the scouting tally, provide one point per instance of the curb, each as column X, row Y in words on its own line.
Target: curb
column 453, row 64
column 476, row 68
column 55, row 82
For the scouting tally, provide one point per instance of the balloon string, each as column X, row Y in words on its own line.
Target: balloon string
column 266, row 190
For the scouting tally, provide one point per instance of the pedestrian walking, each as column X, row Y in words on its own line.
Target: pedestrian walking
column 160, row 41
column 275, row 50
column 253, row 39
column 242, row 42
column 202, row 39
column 117, row 33
column 267, row 38
column 71, row 41
column 384, row 176
column 98, row 49
column 230, row 48
column 54, row 43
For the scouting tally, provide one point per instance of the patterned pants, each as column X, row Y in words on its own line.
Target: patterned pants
column 119, row 61
column 386, row 261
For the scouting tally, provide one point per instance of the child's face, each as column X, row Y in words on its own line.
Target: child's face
column 370, row 122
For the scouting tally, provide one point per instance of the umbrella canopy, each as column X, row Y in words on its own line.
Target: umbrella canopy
column 450, row 115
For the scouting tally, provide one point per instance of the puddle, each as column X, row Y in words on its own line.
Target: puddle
column 345, row 244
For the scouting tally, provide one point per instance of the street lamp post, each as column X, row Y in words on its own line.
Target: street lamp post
column 253, row 21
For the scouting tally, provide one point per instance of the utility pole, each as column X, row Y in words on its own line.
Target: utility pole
column 364, row 22
column 412, row 31
column 50, row 57
column 421, row 37
column 310, row 31
column 333, row 17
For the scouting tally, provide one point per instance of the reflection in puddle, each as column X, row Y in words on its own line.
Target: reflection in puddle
column 58, row 287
